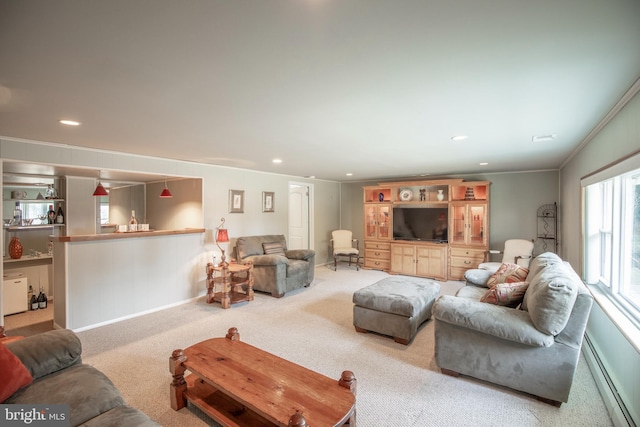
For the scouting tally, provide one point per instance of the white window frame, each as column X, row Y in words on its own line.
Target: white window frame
column 611, row 272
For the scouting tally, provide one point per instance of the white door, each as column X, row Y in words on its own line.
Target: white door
column 299, row 218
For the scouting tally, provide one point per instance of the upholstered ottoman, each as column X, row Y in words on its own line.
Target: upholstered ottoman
column 394, row 306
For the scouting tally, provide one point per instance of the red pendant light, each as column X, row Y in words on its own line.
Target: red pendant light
column 166, row 193
column 100, row 191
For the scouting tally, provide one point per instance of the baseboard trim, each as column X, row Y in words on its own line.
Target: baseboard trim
column 131, row 316
column 614, row 404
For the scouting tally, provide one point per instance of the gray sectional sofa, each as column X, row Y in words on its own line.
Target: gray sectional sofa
column 532, row 348
column 59, row 377
column 276, row 270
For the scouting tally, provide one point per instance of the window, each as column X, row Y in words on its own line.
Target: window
column 611, row 236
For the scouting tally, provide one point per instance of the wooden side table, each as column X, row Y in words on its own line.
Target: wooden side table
column 229, row 283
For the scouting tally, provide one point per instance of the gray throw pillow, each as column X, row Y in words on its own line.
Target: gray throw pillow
column 273, row 248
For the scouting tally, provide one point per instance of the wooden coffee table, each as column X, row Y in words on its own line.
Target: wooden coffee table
column 237, row 384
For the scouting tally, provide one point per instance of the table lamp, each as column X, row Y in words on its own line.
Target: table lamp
column 222, row 236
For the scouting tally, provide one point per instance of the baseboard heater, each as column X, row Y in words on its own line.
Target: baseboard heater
column 619, row 413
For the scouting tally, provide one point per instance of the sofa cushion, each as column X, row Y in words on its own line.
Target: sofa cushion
column 13, row 373
column 539, row 263
column 506, row 294
column 550, row 298
column 478, row 276
column 508, row 273
column 273, row 248
column 45, row 353
column 86, row 390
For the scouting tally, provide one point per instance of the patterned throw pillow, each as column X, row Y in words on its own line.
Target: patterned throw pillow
column 273, row 248
column 506, row 294
column 508, row 273
column 13, row 373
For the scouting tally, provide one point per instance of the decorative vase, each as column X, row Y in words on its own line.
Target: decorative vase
column 440, row 196
column 15, row 248
column 381, row 197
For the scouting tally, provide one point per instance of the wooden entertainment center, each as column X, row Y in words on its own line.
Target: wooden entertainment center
column 441, row 231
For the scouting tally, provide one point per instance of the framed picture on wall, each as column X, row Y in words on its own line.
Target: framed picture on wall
column 268, row 201
column 236, row 201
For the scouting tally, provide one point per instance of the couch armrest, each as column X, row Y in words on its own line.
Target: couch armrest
column 48, row 352
column 263, row 260
column 502, row 322
column 303, row 254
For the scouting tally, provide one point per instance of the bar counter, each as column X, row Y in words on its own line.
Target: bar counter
column 104, row 278
column 127, row 235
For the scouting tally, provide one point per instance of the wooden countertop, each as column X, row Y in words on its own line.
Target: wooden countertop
column 131, row 235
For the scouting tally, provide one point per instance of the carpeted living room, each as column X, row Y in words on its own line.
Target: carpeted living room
column 398, row 385
column 143, row 142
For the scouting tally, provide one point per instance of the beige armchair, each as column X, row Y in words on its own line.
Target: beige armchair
column 516, row 251
column 344, row 245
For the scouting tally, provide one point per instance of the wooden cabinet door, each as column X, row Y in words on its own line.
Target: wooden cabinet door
column 403, row 259
column 431, row 262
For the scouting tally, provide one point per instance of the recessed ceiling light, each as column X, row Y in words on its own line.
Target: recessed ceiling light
column 484, row 164
column 277, row 160
column 310, row 176
column 459, row 137
column 349, row 174
column 69, row 122
column 543, row 138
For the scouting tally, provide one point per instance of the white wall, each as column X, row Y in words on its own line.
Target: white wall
column 217, row 181
column 620, row 137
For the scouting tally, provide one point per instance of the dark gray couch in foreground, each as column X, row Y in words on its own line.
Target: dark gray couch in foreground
column 59, row 377
column 276, row 271
column 534, row 348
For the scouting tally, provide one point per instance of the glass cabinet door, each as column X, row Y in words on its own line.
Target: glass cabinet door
column 458, row 212
column 370, row 221
column 377, row 221
column 468, row 222
column 383, row 222
column 477, row 215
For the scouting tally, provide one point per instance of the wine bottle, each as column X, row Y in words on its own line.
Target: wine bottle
column 42, row 299
column 51, row 215
column 59, row 215
column 34, row 303
column 17, row 215
column 133, row 222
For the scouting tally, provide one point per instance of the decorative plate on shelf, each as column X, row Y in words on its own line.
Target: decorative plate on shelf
column 406, row 194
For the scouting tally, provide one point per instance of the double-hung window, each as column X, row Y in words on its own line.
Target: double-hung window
column 611, row 234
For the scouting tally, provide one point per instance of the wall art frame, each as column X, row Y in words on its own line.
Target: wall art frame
column 236, row 201
column 268, row 201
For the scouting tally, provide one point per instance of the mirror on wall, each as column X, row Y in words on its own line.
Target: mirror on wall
column 116, row 208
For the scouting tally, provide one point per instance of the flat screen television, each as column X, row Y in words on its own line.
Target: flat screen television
column 420, row 223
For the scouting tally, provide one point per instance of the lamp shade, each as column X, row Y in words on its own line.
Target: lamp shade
column 223, row 236
column 100, row 191
column 166, row 193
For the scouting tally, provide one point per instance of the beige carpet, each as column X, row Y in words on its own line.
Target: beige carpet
column 397, row 385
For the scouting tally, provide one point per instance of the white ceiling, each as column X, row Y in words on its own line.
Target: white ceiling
column 371, row 87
